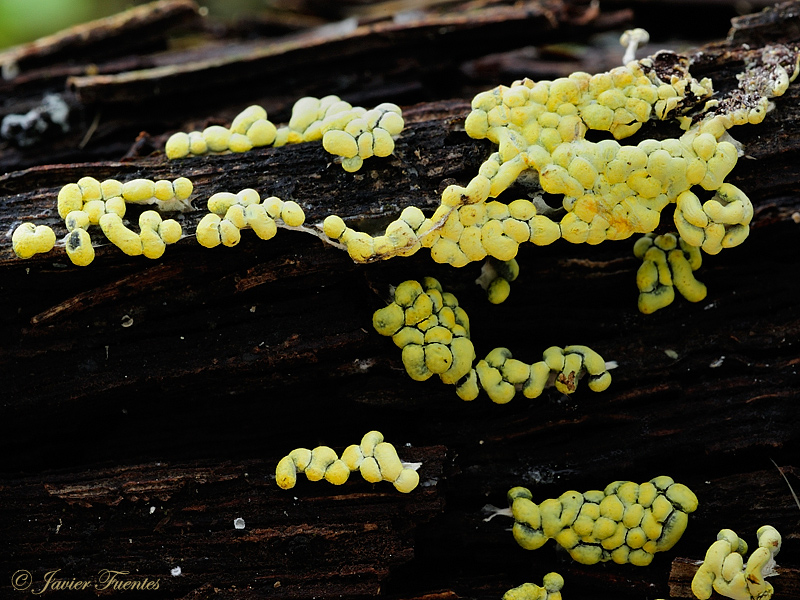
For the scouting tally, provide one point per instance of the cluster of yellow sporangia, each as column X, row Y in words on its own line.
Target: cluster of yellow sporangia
column 375, row 459
column 668, row 263
column 549, row 590
column 230, row 213
column 626, row 522
column 91, row 202
column 724, row 571
column 610, row 191
column 457, row 234
column 433, row 332
column 29, row 239
column 249, row 129
column 351, row 133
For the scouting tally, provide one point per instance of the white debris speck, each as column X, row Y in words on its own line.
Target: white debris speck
column 10, row 69
column 363, row 365
column 238, row 523
column 175, row 572
column 152, row 509
column 127, row 321
column 717, row 363
column 671, row 353
column 28, row 129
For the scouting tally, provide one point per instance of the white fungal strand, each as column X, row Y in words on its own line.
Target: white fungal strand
column 632, row 39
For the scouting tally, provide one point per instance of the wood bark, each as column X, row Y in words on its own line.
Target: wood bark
column 146, row 403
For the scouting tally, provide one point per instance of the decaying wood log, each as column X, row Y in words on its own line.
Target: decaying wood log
column 139, row 30
column 146, row 403
column 361, row 538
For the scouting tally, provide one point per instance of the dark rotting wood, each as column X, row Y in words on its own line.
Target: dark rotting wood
column 145, row 403
column 123, row 34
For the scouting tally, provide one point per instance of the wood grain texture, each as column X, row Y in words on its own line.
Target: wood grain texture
column 135, row 447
